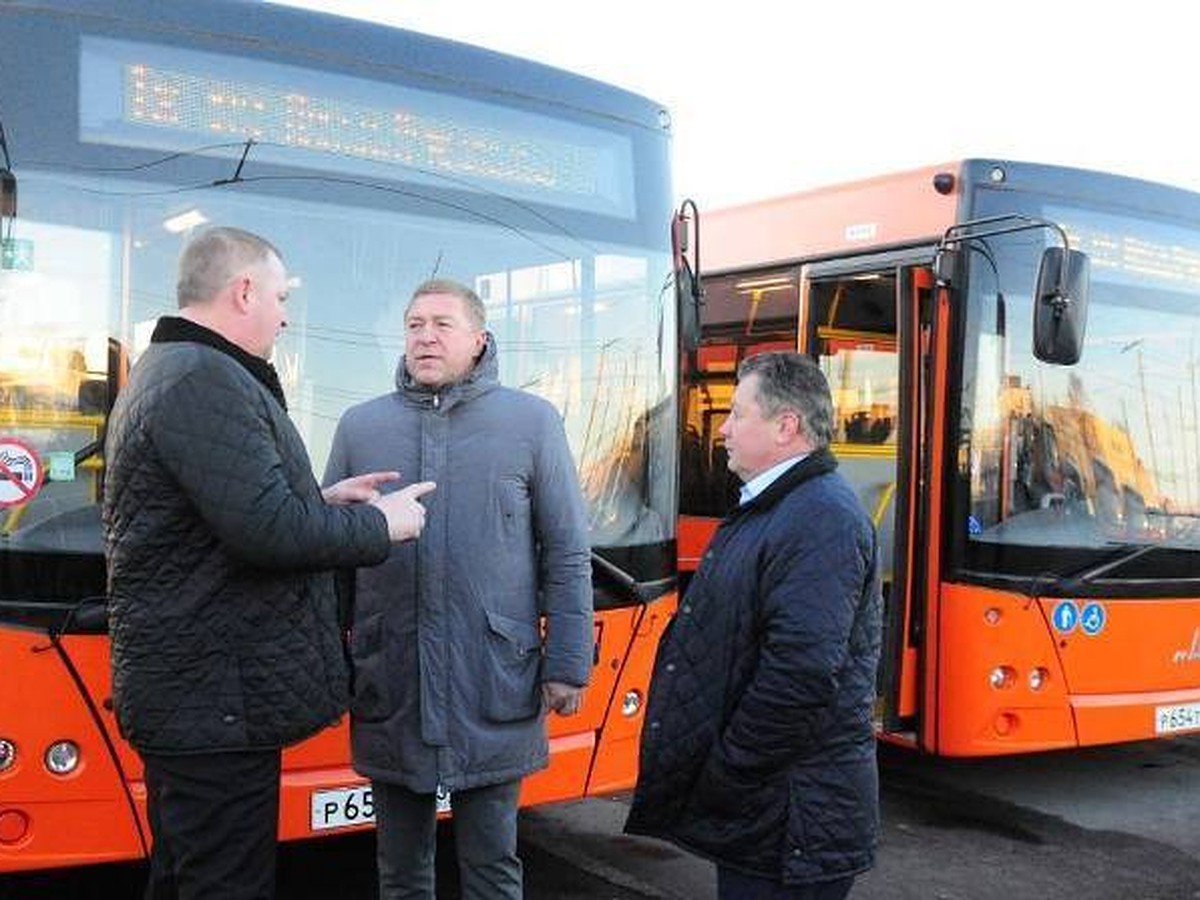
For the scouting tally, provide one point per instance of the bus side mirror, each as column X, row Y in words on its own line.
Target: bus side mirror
column 689, row 292
column 1060, row 306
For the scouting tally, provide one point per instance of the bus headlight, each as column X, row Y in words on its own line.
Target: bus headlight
column 1002, row 677
column 62, row 757
column 1038, row 678
column 8, row 754
column 631, row 704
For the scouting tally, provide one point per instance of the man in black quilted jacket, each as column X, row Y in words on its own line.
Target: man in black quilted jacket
column 222, row 612
column 758, row 751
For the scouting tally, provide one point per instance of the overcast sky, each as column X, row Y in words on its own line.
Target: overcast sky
column 771, row 97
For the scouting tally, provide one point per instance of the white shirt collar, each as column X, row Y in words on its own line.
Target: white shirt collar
column 763, row 480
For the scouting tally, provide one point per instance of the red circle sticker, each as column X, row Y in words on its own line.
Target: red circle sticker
column 20, row 472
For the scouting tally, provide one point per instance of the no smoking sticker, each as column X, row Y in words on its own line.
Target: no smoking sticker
column 20, row 472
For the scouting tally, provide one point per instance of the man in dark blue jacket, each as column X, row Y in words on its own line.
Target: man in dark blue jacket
column 758, row 750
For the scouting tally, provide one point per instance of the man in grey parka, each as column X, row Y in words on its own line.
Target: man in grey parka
column 453, row 673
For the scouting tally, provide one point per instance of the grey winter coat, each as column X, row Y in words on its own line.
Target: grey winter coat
column 224, row 626
column 447, row 650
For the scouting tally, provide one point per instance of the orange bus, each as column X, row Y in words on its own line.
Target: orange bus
column 1038, row 506
column 375, row 158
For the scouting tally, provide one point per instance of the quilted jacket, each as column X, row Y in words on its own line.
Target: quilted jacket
column 758, row 749
column 223, row 622
column 448, row 653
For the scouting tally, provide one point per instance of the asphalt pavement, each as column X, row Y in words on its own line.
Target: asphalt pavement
column 1114, row 823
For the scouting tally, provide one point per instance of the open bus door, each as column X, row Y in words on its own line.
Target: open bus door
column 869, row 324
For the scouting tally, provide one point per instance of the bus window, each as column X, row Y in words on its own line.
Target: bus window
column 855, row 328
column 743, row 314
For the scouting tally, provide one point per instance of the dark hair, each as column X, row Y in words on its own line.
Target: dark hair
column 476, row 311
column 215, row 257
column 790, row 381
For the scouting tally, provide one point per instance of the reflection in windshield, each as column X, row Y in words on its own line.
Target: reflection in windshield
column 579, row 321
column 1106, row 451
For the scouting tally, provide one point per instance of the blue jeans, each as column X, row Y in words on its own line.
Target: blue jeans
column 485, row 835
column 734, row 885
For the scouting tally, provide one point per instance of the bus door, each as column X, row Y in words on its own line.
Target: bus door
column 743, row 313
column 866, row 322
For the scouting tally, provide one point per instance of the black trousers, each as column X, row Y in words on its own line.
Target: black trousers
column 215, row 822
column 734, row 885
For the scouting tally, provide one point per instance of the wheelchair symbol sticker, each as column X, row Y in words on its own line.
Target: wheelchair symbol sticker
column 1066, row 616
column 1092, row 619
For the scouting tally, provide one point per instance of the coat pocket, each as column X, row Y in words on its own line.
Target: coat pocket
column 510, row 688
column 513, row 495
column 370, row 695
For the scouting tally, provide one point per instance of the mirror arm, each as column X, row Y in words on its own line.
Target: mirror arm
column 688, row 214
column 962, row 232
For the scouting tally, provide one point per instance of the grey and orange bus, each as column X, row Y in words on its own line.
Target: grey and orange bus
column 1039, row 511
column 375, row 159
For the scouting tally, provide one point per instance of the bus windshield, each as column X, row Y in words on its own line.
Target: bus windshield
column 1098, row 455
column 368, row 185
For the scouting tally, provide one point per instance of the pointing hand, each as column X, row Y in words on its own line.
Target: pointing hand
column 405, row 514
column 359, row 489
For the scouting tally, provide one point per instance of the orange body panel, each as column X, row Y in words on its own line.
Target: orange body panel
column 87, row 817
column 883, row 211
column 1098, row 689
column 932, row 549
column 1147, row 655
column 631, row 658
column 976, row 718
column 84, row 817
column 693, row 536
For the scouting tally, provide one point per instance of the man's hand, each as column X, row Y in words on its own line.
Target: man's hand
column 564, row 699
column 359, row 489
column 405, row 514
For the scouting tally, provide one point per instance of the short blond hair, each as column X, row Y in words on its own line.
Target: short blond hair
column 214, row 257
column 476, row 311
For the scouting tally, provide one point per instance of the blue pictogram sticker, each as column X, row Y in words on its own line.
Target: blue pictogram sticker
column 1092, row 619
column 1066, row 616
column 974, row 526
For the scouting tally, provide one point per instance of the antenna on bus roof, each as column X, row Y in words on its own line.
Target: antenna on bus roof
column 237, row 173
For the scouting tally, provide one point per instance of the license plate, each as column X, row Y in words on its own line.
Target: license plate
column 1169, row 719
column 353, row 806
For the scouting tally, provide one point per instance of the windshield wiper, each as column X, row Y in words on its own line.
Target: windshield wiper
column 1122, row 558
column 639, row 591
column 1104, row 568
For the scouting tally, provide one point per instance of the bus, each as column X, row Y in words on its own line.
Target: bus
column 1038, row 507
column 375, row 159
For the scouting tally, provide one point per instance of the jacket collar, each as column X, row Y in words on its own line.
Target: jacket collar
column 819, row 462
column 481, row 379
column 176, row 329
